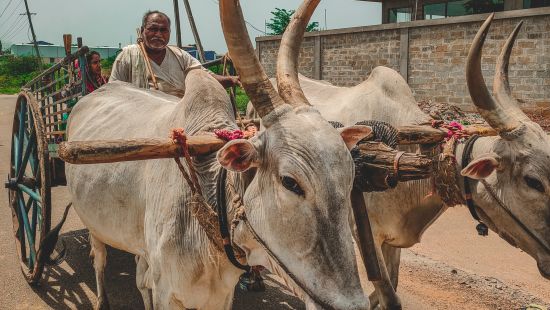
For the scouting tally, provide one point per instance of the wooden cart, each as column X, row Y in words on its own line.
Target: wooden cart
column 39, row 122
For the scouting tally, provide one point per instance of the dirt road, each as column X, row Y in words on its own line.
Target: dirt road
column 452, row 267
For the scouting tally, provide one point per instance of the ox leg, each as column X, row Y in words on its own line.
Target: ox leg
column 384, row 294
column 142, row 283
column 99, row 255
column 392, row 256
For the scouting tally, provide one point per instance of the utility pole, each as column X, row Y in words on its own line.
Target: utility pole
column 178, row 28
column 33, row 36
column 200, row 51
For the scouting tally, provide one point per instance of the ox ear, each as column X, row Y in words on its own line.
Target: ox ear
column 238, row 155
column 482, row 167
column 354, row 134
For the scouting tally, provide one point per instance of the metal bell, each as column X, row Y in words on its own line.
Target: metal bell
column 482, row 229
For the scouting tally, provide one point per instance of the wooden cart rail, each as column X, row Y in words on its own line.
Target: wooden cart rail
column 63, row 63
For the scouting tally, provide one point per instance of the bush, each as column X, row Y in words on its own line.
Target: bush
column 16, row 72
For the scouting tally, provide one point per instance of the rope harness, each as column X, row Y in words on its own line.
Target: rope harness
column 481, row 227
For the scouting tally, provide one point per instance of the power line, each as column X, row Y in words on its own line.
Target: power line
column 2, row 14
column 11, row 14
column 216, row 2
column 16, row 32
column 12, row 27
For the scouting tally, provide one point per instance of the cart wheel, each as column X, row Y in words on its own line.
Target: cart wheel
column 28, row 184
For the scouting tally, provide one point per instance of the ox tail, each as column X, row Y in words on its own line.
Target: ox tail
column 49, row 242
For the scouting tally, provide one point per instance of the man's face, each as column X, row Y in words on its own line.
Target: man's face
column 156, row 32
column 95, row 65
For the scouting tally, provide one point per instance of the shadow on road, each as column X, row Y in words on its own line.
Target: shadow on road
column 72, row 284
column 68, row 285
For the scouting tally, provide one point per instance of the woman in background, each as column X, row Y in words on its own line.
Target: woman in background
column 94, row 79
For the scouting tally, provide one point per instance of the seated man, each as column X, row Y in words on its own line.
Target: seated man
column 169, row 64
column 94, row 79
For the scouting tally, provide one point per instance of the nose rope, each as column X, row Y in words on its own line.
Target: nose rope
column 242, row 217
column 495, row 197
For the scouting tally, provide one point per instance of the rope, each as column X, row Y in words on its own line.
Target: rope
column 178, row 135
column 454, row 129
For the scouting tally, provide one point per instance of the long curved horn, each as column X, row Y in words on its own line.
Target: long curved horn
column 287, row 61
column 501, row 85
column 255, row 82
column 489, row 109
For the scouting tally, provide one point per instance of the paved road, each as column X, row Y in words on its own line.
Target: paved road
column 451, row 240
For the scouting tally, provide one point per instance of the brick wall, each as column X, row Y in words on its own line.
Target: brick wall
column 430, row 54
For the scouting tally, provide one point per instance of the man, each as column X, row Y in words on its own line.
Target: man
column 169, row 64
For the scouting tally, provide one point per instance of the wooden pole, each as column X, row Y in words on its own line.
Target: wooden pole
column 375, row 154
column 364, row 233
column 178, row 24
column 97, row 152
column 200, row 50
column 33, row 36
column 146, row 59
column 425, row 134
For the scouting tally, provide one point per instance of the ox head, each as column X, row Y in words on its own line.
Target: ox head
column 518, row 166
column 298, row 200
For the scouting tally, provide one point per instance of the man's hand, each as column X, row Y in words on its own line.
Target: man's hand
column 228, row 81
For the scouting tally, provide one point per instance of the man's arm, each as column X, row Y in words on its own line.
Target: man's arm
column 227, row 81
column 121, row 68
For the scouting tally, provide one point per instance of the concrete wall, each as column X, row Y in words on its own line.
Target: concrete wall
column 430, row 54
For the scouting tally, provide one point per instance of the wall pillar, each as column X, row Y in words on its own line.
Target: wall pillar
column 317, row 59
column 404, row 54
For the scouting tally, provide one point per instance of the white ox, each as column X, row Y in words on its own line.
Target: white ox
column 296, row 191
column 516, row 164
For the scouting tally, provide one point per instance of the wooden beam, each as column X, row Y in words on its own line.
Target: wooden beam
column 95, row 152
column 425, row 134
column 98, row 152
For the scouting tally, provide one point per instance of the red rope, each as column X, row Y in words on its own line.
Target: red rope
column 179, row 137
column 454, row 129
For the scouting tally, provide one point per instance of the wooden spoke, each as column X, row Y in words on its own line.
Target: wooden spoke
column 29, row 187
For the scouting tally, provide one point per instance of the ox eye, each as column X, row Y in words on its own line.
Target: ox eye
column 534, row 184
column 291, row 185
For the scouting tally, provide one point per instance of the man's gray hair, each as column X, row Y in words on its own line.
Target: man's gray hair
column 149, row 13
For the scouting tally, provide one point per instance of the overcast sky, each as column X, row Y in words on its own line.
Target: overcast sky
column 110, row 22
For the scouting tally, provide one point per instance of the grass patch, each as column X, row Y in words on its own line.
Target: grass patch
column 242, row 100
column 16, row 72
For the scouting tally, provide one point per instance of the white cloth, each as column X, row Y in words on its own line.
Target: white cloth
column 129, row 66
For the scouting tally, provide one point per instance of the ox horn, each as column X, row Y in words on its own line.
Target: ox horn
column 501, row 85
column 255, row 82
column 489, row 109
column 287, row 62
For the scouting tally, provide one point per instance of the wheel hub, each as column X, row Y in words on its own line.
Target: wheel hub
column 11, row 183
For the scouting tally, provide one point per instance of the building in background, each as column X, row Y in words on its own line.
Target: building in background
column 52, row 53
column 396, row 11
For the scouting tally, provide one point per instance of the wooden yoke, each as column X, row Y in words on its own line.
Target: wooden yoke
column 96, row 152
column 100, row 152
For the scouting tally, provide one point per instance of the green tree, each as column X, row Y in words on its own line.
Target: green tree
column 280, row 20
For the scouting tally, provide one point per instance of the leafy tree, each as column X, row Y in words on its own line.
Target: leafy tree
column 280, row 20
